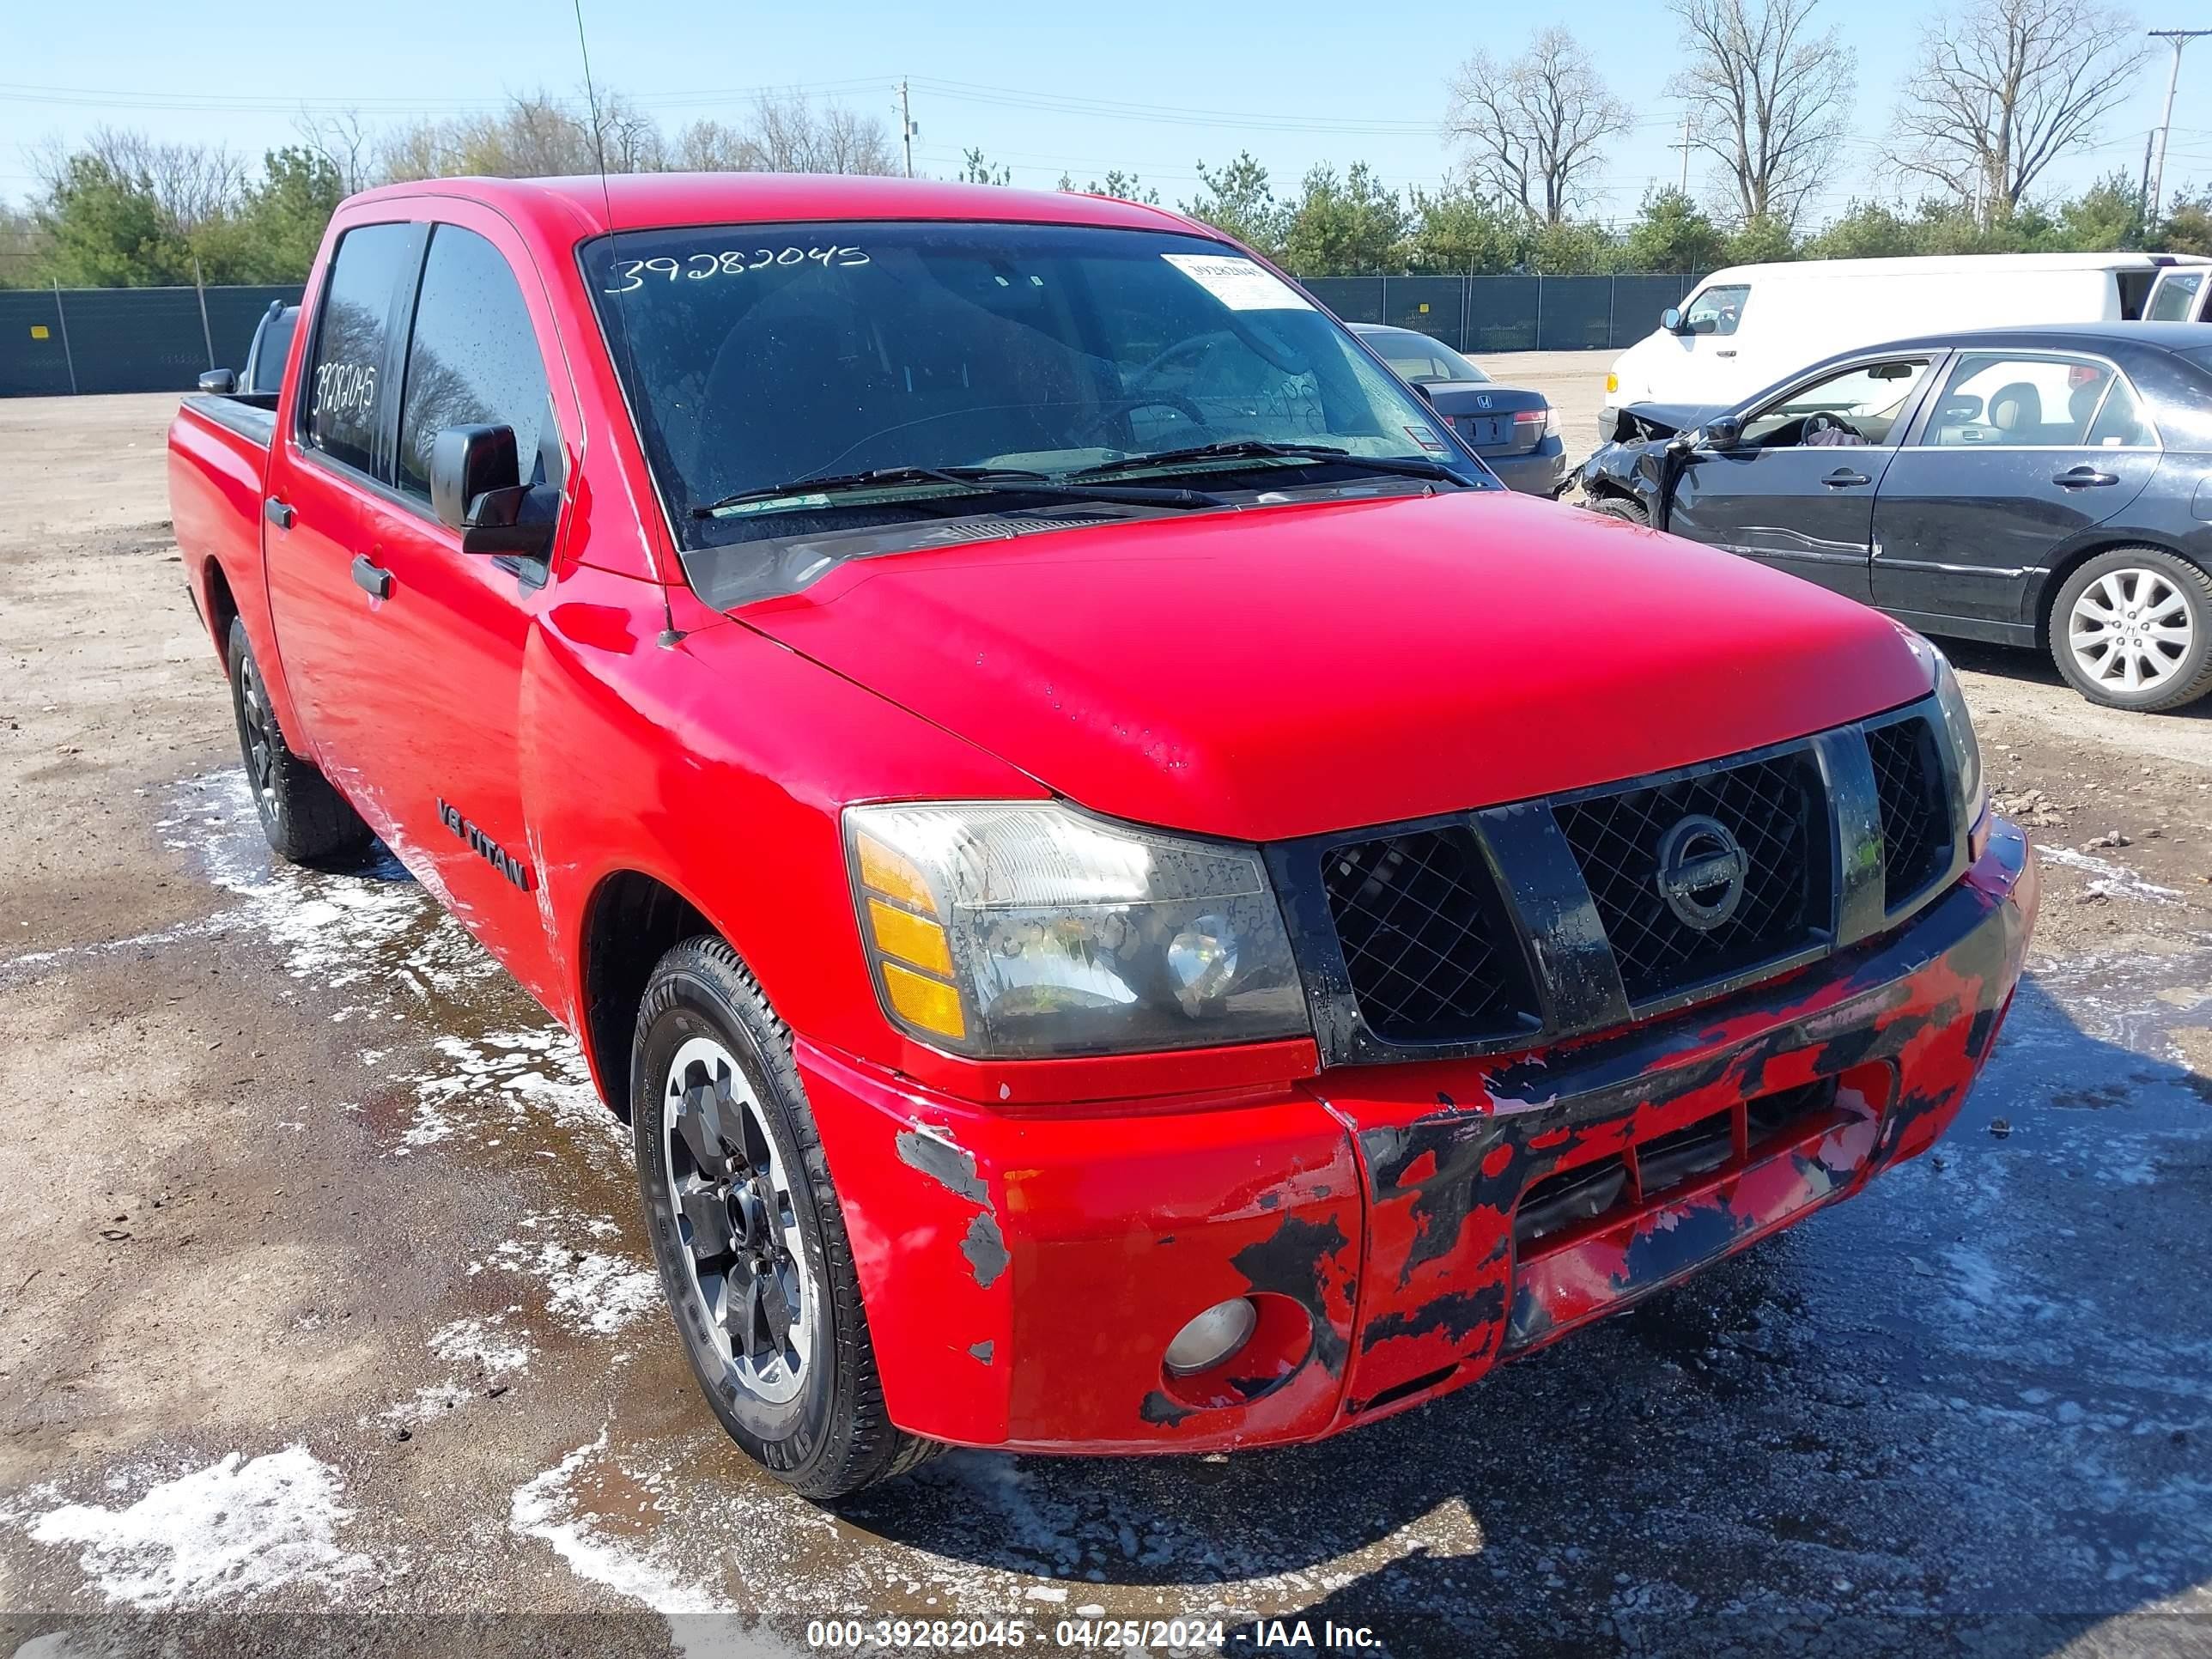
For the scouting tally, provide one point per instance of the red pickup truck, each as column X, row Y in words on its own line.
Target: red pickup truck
column 1133, row 900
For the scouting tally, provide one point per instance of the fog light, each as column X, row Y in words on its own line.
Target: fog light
column 1213, row 1337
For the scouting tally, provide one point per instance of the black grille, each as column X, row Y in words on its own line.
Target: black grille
column 1916, row 818
column 1427, row 945
column 1776, row 811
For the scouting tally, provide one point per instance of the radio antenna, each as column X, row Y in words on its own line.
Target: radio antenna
column 670, row 635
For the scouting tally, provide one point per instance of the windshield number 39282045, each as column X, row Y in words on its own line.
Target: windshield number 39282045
column 630, row 273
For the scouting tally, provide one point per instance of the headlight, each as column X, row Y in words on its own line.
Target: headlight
column 1959, row 730
column 1020, row 929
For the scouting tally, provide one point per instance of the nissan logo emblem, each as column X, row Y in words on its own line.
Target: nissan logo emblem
column 1701, row 871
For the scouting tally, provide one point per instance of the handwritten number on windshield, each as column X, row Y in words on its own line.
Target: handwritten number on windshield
column 631, row 274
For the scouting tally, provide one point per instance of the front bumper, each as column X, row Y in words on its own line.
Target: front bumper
column 1023, row 1272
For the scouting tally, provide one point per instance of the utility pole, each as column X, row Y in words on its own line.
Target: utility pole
column 908, row 130
column 1685, row 147
column 2155, row 193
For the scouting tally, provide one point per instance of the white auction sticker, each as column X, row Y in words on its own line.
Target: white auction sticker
column 1238, row 283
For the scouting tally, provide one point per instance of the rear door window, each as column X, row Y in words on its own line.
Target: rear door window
column 473, row 360
column 1718, row 310
column 2020, row 401
column 344, row 394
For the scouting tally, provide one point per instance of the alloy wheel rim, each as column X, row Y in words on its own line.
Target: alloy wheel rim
column 737, row 1219
column 2131, row 629
column 260, row 738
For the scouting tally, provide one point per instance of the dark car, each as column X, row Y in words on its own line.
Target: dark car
column 1516, row 432
column 264, row 359
column 2043, row 487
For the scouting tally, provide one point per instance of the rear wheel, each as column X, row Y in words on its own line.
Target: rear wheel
column 302, row 816
column 748, row 1233
column 1622, row 508
column 2132, row 629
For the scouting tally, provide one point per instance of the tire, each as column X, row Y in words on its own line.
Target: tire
column 303, row 816
column 1622, row 508
column 2100, row 629
column 788, row 1368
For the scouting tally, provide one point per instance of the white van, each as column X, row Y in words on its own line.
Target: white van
column 1750, row 325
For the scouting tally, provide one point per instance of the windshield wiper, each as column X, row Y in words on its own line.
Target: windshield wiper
column 1408, row 466
column 972, row 480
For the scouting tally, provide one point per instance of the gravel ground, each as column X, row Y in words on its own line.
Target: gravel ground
column 326, row 1321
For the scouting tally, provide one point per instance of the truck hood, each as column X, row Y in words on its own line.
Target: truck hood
column 1292, row 670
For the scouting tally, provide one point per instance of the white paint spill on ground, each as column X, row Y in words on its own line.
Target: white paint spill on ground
column 701, row 1624
column 502, row 1080
column 545, row 1507
column 2115, row 880
column 484, row 1357
column 340, row 930
column 590, row 1291
column 234, row 1529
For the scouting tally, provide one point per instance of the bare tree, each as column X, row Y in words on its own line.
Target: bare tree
column 786, row 134
column 1768, row 97
column 191, row 184
column 2007, row 88
column 1536, row 126
column 344, row 140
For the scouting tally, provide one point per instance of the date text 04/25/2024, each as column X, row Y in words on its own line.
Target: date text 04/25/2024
column 1173, row 1636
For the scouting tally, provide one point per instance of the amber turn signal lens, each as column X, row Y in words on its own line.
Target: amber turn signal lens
column 910, row 938
column 930, row 1003
column 894, row 875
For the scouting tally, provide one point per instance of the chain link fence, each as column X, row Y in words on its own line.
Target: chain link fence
column 125, row 339
column 55, row 341
column 1483, row 314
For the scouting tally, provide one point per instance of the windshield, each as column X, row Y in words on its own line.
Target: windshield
column 1417, row 357
column 758, row 356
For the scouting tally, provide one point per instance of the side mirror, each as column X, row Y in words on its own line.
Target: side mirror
column 467, row 462
column 477, row 488
column 1723, row 431
column 220, row 382
column 1671, row 320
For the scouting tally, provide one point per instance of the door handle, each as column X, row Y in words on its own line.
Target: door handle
column 371, row 578
column 279, row 513
column 2081, row 478
column 1731, row 352
column 1843, row 478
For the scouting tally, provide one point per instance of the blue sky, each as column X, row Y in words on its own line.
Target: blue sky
column 1154, row 88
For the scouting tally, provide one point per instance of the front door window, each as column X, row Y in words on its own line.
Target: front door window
column 1855, row 407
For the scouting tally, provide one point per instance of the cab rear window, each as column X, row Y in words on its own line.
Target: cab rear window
column 344, row 394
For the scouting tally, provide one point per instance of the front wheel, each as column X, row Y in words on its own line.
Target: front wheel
column 1622, row 508
column 748, row 1234
column 2132, row 629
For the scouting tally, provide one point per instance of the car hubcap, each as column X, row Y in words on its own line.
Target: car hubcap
column 2130, row 630
column 260, row 738
column 737, row 1220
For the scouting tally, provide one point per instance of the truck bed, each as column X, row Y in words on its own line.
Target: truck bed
column 251, row 416
column 218, row 468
